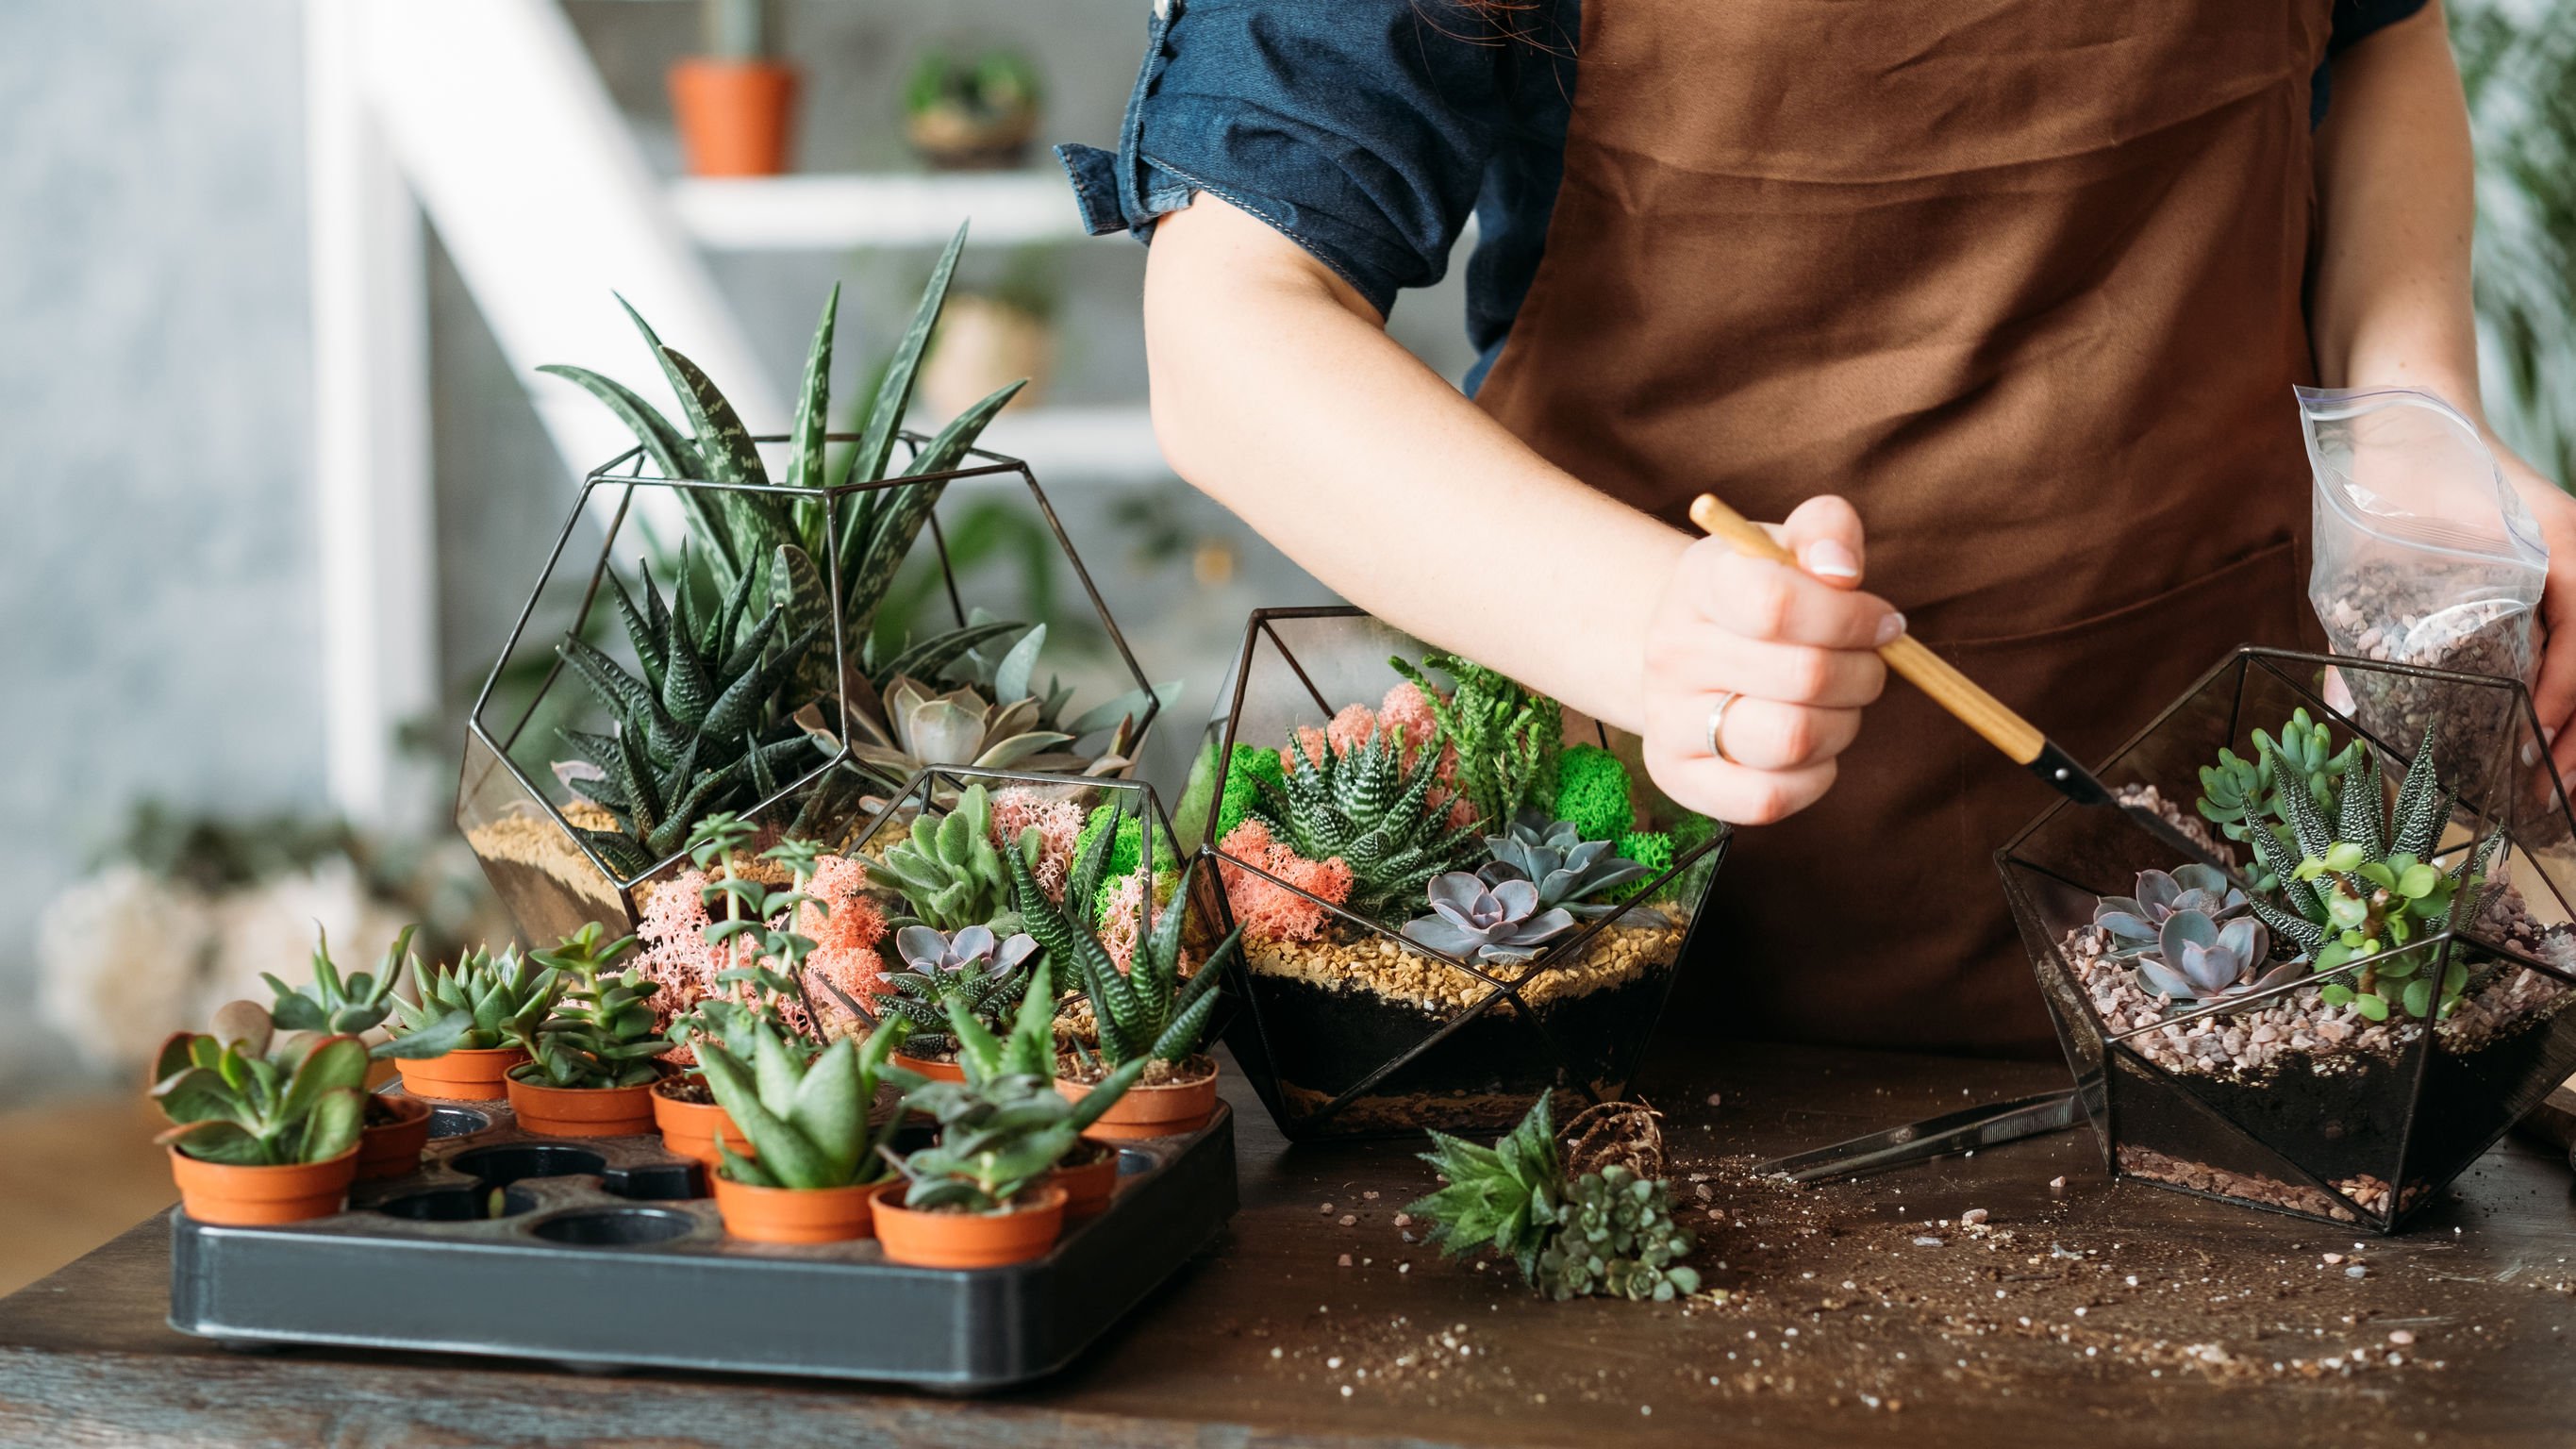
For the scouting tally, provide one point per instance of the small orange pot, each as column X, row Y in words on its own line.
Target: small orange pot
column 735, row 115
column 1088, row 1186
column 795, row 1215
column 250, row 1197
column 393, row 1149
column 692, row 1129
column 467, row 1074
column 968, row 1240
column 582, row 1111
column 1164, row 1111
column 936, row 1071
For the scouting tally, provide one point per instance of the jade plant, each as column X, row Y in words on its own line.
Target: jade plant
column 481, row 1003
column 1608, row 1231
column 1148, row 1012
column 1005, row 1127
column 806, row 1118
column 601, row 1032
column 243, row 1097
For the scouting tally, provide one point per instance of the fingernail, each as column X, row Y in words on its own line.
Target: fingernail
column 2530, row 754
column 1889, row 628
column 2549, row 734
column 1828, row 559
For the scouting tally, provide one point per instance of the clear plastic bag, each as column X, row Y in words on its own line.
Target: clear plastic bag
column 2424, row 556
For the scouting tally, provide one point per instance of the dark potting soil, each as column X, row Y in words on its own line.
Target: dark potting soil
column 692, row 1090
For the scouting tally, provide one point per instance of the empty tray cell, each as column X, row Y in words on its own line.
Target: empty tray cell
column 459, row 1205
column 656, row 1182
column 501, row 1166
column 615, row 1227
column 445, row 1121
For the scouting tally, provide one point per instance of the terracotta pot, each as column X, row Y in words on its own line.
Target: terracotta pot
column 249, row 1197
column 795, row 1215
column 393, row 1148
column 1088, row 1186
column 582, row 1111
column 936, row 1071
column 692, row 1129
column 735, row 115
column 467, row 1074
column 968, row 1240
column 1165, row 1111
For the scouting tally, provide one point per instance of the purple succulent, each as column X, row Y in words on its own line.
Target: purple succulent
column 2136, row 922
column 1500, row 921
column 2197, row 959
column 973, row 948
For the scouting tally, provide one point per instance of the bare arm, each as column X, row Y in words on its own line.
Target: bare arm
column 1277, row 391
column 2392, row 303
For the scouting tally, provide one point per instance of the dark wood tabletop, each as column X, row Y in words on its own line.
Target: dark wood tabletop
column 2075, row 1312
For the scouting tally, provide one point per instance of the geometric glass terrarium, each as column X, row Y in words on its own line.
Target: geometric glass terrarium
column 1364, row 1008
column 815, row 744
column 2386, row 1026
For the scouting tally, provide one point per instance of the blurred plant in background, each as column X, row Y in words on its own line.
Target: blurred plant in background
column 2518, row 61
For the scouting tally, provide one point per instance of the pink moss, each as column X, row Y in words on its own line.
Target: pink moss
column 1406, row 708
column 1353, row 727
column 1058, row 822
column 1266, row 910
column 676, row 953
column 845, row 931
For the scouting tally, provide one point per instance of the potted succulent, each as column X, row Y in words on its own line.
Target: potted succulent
column 971, row 113
column 1146, row 1011
column 397, row 1127
column 264, row 1129
column 983, row 1194
column 1445, row 906
column 2367, row 995
column 817, row 1160
column 1088, row 1172
column 460, row 1039
column 736, row 102
column 761, row 675
column 590, row 1068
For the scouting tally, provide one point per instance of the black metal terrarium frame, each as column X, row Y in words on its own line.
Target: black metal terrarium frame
column 1250, row 1032
column 2198, row 1131
column 626, row 473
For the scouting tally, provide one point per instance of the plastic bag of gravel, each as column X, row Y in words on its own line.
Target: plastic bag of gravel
column 2424, row 556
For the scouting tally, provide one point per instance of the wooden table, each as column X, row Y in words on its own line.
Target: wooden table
column 1854, row 1312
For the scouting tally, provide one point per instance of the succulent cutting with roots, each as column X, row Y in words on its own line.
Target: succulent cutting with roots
column 1482, row 920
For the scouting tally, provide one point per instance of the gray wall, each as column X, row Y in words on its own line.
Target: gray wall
column 157, row 569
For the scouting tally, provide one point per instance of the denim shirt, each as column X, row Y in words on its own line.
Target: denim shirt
column 1367, row 131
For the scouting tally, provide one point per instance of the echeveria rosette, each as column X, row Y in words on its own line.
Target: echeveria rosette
column 2198, row 959
column 2135, row 923
column 1567, row 869
column 1477, row 920
column 973, row 968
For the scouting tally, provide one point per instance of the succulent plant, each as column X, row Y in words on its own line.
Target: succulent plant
column 2363, row 882
column 1504, row 1197
column 957, row 727
column 241, row 1097
column 481, row 1002
column 601, row 1032
column 707, row 727
column 2135, row 923
column 1615, row 1235
column 1148, row 1012
column 754, row 920
column 806, row 1118
column 973, row 971
column 2198, row 959
column 2237, row 793
column 1003, row 1127
column 1365, row 807
column 348, row 1006
column 948, row 869
column 1567, row 869
column 1507, row 737
column 1479, row 920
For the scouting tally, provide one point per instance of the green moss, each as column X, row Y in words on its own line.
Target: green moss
column 1126, row 852
column 1592, row 791
column 1691, row 831
column 1248, row 767
column 1652, row 849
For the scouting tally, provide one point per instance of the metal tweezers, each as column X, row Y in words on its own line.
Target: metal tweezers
column 1963, row 1131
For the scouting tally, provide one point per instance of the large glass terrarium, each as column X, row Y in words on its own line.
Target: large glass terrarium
column 1357, row 1019
column 653, row 678
column 2361, row 1060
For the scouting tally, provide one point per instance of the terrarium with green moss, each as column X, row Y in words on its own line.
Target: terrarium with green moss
column 1454, row 897
column 2370, row 983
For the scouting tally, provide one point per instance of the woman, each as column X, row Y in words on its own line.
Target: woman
column 2025, row 285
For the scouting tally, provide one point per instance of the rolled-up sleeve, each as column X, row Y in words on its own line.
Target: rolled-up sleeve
column 1359, row 128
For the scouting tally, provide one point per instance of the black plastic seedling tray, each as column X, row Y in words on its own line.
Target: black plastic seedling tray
column 609, row 1255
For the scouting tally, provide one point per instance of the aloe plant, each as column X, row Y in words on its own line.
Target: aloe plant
column 807, row 1121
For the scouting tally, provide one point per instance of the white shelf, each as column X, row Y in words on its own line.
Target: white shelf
column 1109, row 444
column 879, row 209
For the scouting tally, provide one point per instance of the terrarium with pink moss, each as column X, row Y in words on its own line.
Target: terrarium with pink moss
column 1454, row 896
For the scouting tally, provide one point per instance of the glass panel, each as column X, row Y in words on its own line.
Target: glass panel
column 2165, row 1136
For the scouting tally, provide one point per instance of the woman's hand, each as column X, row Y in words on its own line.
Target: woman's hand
column 2553, row 697
column 1795, row 644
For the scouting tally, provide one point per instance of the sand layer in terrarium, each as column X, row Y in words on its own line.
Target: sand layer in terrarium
column 1334, row 1011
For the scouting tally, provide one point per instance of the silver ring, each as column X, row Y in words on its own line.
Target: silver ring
column 1717, row 724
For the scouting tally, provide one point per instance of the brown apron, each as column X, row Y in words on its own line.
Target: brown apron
column 2020, row 278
